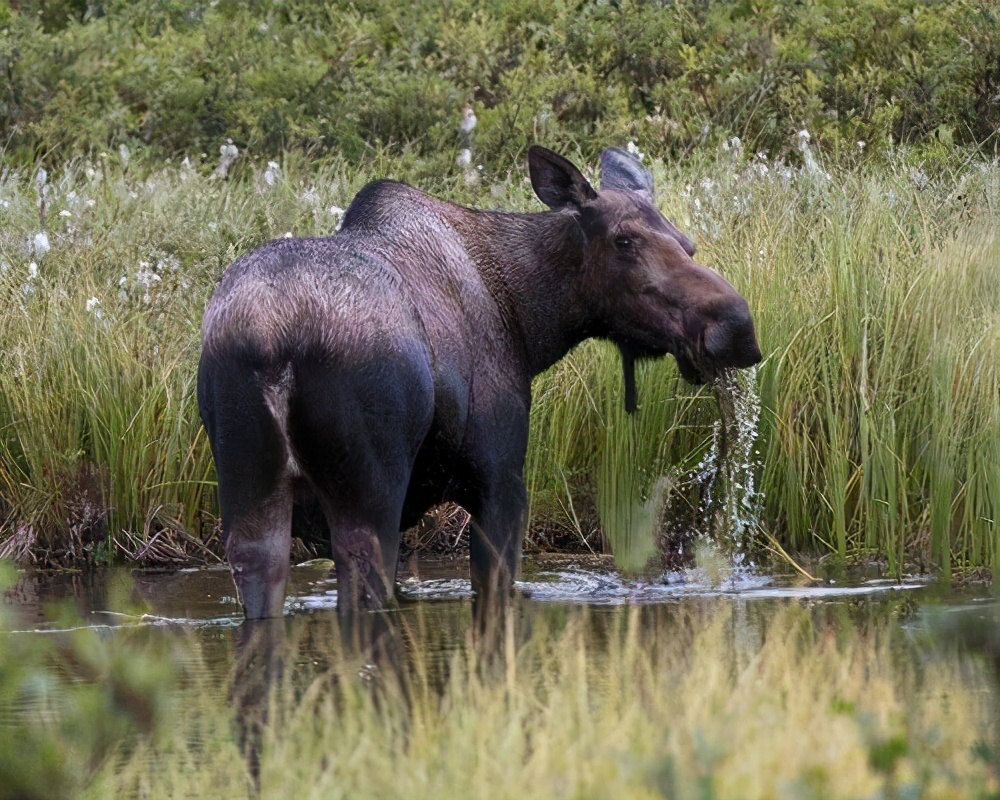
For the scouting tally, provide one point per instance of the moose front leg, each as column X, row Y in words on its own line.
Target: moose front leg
column 498, row 521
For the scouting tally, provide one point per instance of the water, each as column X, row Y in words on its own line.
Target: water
column 726, row 480
column 731, row 501
column 200, row 607
column 204, row 599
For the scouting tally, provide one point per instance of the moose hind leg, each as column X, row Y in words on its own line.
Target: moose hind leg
column 363, row 579
column 356, row 431
column 363, row 514
column 255, row 490
column 258, row 547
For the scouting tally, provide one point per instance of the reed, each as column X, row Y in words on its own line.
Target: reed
column 872, row 289
column 879, row 389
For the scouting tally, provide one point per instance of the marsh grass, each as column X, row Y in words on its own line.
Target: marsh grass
column 871, row 293
column 720, row 703
column 101, row 444
column 872, row 290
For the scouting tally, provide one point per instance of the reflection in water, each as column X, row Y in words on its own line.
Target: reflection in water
column 258, row 669
column 974, row 628
column 265, row 650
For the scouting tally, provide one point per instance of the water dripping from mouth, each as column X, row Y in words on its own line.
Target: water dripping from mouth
column 730, row 504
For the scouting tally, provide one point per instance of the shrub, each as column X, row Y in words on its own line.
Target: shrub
column 344, row 77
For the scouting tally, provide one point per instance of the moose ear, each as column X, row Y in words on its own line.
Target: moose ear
column 623, row 172
column 556, row 181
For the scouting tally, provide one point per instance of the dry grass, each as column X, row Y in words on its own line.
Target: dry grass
column 720, row 703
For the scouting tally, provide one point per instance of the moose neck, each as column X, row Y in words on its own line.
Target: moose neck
column 529, row 263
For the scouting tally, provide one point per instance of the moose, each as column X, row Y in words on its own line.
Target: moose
column 387, row 368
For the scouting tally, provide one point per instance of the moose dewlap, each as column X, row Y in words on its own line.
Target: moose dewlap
column 387, row 368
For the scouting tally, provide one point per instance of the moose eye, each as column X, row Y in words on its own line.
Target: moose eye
column 623, row 242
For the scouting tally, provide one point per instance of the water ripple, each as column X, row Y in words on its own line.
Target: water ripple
column 570, row 586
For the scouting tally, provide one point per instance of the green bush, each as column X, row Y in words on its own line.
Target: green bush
column 353, row 78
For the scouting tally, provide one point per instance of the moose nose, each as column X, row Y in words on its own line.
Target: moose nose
column 731, row 341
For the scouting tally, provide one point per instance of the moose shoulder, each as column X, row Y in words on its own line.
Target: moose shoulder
column 388, row 367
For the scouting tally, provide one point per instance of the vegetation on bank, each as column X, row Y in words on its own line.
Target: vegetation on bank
column 700, row 701
column 872, row 290
column 70, row 700
column 354, row 78
column 705, row 699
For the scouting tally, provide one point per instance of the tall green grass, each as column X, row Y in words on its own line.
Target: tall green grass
column 873, row 297
column 873, row 292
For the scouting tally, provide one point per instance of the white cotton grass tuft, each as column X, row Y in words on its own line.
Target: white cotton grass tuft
column 633, row 148
column 147, row 280
column 228, row 153
column 809, row 163
column 338, row 215
column 466, row 126
column 146, row 277
column 273, row 173
column 733, row 145
column 468, row 123
column 28, row 288
column 40, row 245
column 919, row 178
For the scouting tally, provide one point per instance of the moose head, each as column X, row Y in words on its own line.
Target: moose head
column 639, row 275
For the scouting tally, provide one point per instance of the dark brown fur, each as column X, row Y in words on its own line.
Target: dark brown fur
column 388, row 368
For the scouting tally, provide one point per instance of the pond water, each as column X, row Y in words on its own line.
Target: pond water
column 202, row 600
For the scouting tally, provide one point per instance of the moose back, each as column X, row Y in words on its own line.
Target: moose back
column 388, row 368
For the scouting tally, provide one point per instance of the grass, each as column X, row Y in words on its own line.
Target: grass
column 712, row 702
column 879, row 389
column 872, row 290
